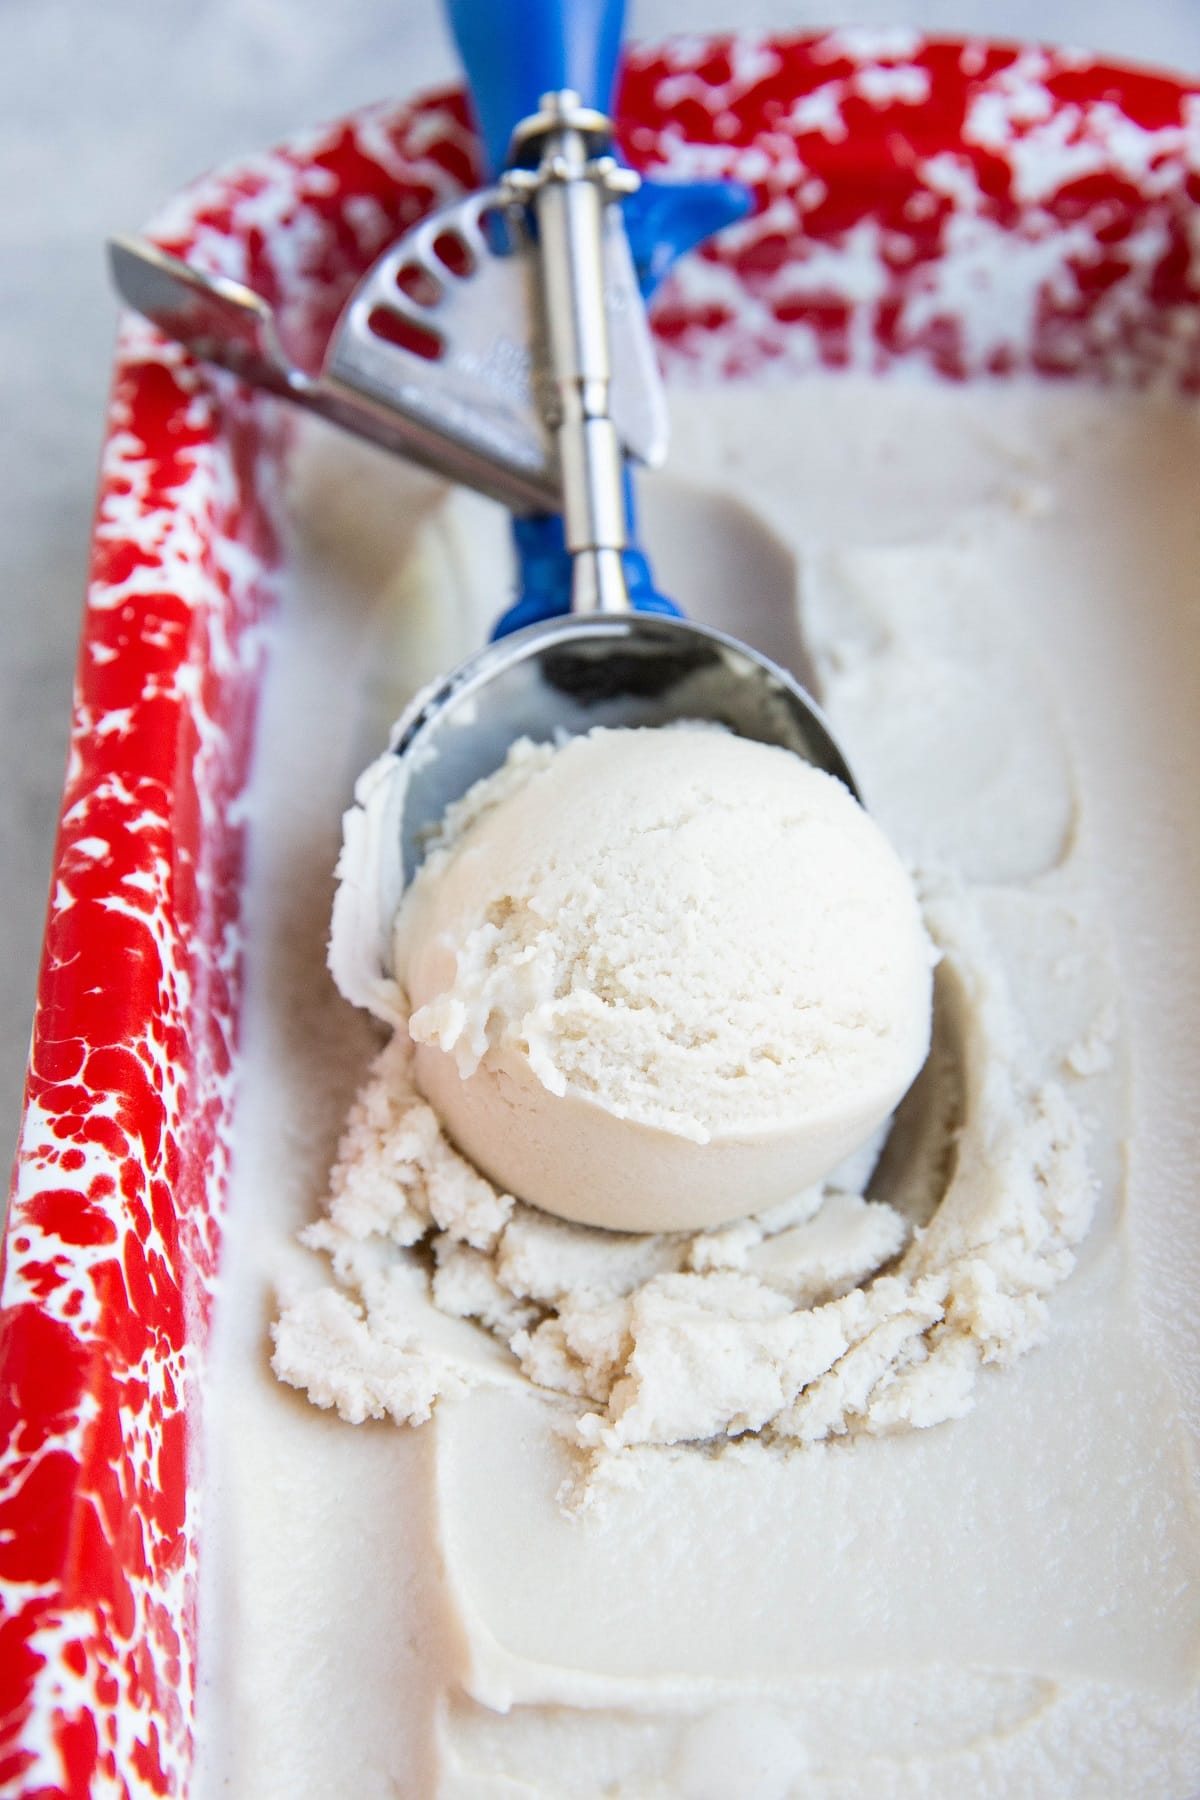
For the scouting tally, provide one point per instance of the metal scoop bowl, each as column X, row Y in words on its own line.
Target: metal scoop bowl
column 599, row 669
column 550, row 681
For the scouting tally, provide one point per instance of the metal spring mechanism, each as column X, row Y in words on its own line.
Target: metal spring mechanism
column 566, row 172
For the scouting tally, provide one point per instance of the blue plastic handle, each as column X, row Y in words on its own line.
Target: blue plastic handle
column 514, row 51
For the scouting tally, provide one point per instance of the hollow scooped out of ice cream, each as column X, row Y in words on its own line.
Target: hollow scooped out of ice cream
column 654, row 972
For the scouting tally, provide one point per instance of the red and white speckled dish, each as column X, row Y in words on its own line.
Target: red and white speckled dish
column 965, row 208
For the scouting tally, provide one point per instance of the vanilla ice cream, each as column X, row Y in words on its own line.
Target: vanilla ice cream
column 655, row 973
column 549, row 1587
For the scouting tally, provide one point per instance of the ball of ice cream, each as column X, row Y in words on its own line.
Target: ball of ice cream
column 662, row 978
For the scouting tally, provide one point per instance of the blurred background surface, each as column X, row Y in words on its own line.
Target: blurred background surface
column 104, row 111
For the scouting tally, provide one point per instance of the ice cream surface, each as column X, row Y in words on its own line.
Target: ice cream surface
column 994, row 590
column 659, row 978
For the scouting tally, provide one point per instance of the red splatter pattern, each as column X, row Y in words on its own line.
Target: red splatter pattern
column 969, row 208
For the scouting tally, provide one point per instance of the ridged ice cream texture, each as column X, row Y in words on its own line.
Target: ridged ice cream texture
column 661, row 978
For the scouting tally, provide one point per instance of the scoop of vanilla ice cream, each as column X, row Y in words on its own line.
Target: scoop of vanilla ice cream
column 662, row 978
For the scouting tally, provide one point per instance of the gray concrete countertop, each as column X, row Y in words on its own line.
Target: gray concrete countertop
column 104, row 111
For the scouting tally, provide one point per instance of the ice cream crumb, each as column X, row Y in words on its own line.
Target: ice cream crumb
column 1094, row 1051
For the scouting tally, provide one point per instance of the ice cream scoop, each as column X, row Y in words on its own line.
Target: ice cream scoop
column 605, row 664
column 525, row 290
column 688, row 995
column 625, row 1154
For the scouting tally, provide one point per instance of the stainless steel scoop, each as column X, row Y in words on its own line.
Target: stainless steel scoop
column 605, row 664
column 563, row 678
